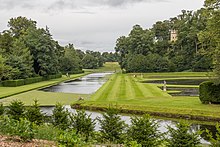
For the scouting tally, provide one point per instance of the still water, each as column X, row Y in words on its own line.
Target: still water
column 85, row 85
column 162, row 123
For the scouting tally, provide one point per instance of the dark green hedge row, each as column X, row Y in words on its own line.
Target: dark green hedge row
column 49, row 77
column 20, row 82
column 209, row 93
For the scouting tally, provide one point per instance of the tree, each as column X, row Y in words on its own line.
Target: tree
column 112, row 128
column 60, row 117
column 19, row 26
column 212, row 32
column 89, row 62
column 16, row 110
column 70, row 62
column 144, row 130
column 83, row 124
column 45, row 51
column 182, row 137
column 34, row 114
column 20, row 60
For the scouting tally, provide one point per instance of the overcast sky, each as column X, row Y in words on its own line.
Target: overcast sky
column 93, row 24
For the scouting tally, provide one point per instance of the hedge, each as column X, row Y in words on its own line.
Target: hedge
column 13, row 83
column 209, row 93
column 20, row 82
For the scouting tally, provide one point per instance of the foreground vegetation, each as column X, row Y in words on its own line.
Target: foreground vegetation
column 78, row 129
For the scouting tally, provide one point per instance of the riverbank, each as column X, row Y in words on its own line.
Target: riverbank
column 10, row 91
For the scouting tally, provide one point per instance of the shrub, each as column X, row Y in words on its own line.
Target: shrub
column 33, row 80
column 144, row 130
column 34, row 114
column 83, row 124
column 13, row 83
column 214, row 142
column 2, row 109
column 69, row 139
column 60, row 117
column 209, row 92
column 112, row 127
column 182, row 137
column 46, row 132
column 16, row 109
column 22, row 128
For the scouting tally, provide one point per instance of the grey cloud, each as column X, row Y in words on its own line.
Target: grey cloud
column 66, row 4
column 11, row 4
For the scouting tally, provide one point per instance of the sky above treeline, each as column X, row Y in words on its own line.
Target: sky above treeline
column 93, row 24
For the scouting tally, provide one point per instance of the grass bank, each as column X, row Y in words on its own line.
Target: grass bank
column 10, row 91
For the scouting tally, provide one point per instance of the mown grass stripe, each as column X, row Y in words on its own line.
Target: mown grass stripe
column 123, row 87
column 102, row 93
column 138, row 92
column 130, row 93
column 114, row 92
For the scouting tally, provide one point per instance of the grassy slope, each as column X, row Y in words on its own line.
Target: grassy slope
column 125, row 91
column 45, row 98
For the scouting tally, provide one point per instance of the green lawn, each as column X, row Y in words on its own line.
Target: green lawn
column 108, row 67
column 45, row 98
column 128, row 93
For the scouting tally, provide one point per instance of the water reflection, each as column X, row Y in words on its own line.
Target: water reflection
column 162, row 123
column 85, row 85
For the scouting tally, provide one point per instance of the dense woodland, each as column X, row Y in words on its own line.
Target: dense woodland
column 196, row 48
column 27, row 51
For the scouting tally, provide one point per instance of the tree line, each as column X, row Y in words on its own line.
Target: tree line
column 196, row 47
column 28, row 51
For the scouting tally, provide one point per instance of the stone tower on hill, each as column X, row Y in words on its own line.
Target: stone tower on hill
column 173, row 35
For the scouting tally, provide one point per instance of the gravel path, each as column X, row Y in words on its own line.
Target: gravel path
column 15, row 142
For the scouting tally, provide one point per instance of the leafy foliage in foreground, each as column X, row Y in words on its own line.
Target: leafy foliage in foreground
column 214, row 142
column 22, row 128
column 16, row 109
column 144, row 130
column 34, row 114
column 60, row 117
column 182, row 137
column 112, row 127
column 83, row 124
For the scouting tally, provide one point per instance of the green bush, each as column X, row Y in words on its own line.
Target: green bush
column 144, row 131
column 209, row 92
column 16, row 109
column 60, row 117
column 49, row 77
column 83, row 124
column 33, row 80
column 13, row 83
column 2, row 109
column 112, row 127
column 69, row 139
column 22, row 128
column 181, row 137
column 34, row 114
column 46, row 132
column 214, row 142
